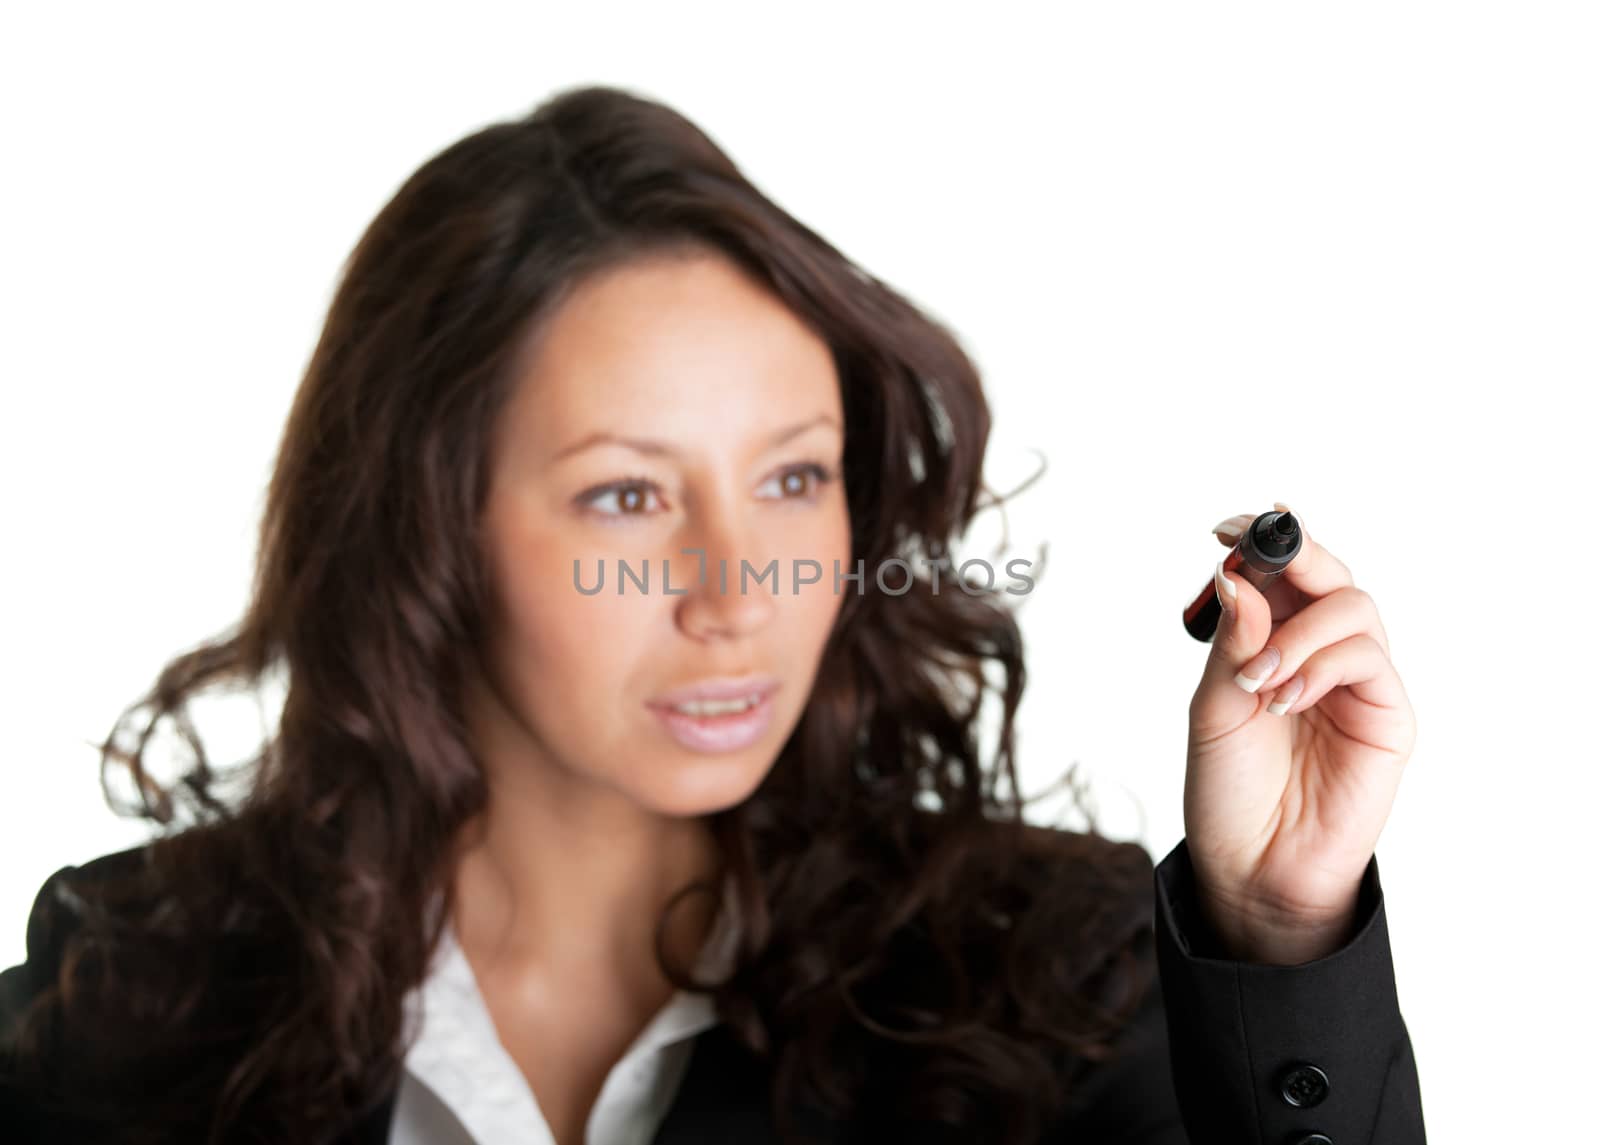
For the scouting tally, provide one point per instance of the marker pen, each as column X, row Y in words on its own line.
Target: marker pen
column 1264, row 550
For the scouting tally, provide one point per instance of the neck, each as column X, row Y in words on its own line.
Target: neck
column 562, row 878
column 562, row 889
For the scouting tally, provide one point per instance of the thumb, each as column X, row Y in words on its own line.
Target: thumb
column 1243, row 628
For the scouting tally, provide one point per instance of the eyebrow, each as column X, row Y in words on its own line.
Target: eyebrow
column 661, row 448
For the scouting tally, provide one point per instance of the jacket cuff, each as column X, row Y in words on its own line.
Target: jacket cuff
column 1280, row 1053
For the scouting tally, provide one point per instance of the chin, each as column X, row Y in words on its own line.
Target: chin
column 705, row 785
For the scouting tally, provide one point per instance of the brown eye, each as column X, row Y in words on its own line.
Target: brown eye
column 631, row 497
column 793, row 486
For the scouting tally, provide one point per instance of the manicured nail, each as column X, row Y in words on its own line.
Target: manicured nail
column 1228, row 528
column 1255, row 673
column 1227, row 595
column 1287, row 695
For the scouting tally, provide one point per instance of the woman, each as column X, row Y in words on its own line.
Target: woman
column 496, row 877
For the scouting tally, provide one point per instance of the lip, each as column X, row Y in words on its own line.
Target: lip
column 715, row 734
column 719, row 688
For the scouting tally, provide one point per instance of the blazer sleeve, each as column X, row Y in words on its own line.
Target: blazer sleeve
column 20, row 983
column 1224, row 1052
column 28, row 1115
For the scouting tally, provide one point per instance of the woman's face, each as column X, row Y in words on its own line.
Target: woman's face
column 734, row 408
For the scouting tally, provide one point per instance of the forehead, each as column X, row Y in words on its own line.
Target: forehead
column 655, row 340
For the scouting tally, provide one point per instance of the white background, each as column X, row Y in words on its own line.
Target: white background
column 1207, row 256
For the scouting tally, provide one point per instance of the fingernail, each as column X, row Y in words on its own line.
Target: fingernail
column 1287, row 695
column 1227, row 595
column 1227, row 528
column 1255, row 673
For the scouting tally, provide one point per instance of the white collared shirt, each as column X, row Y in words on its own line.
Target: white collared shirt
column 461, row 1087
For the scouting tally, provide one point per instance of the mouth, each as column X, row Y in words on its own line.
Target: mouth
column 718, row 725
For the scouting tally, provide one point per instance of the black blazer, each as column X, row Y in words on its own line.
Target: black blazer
column 1220, row 1053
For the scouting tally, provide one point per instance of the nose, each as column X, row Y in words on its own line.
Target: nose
column 721, row 601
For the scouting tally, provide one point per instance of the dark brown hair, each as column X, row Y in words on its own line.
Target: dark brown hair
column 914, row 954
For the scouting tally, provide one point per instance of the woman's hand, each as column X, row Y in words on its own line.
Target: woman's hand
column 1282, row 812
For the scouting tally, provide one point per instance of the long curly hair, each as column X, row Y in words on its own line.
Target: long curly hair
column 914, row 954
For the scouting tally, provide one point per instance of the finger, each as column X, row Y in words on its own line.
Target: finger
column 1242, row 631
column 1230, row 529
column 1348, row 612
column 1373, row 687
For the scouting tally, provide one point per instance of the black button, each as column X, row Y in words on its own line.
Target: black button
column 1303, row 1085
column 1309, row 1139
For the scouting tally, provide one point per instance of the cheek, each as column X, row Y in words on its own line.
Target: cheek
column 578, row 646
column 826, row 540
column 565, row 654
